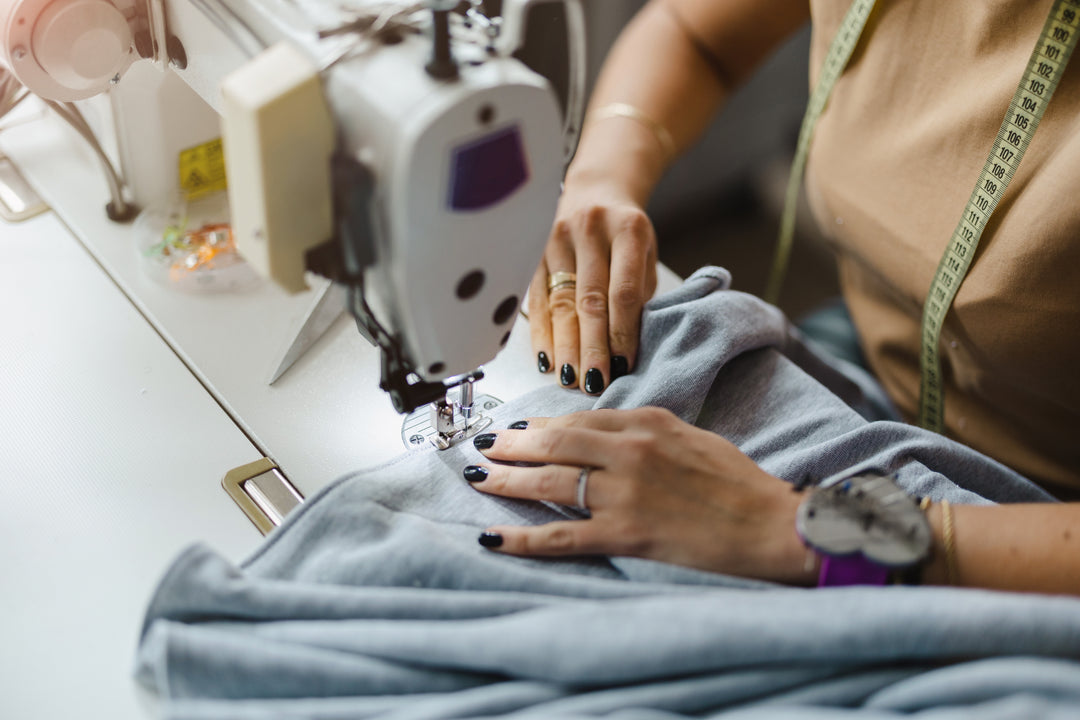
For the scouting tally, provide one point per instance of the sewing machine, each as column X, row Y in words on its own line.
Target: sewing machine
column 397, row 149
column 127, row 396
column 126, row 400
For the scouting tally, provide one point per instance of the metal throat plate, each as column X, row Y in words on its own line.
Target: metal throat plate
column 417, row 430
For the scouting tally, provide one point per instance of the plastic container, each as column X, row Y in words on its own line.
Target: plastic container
column 189, row 246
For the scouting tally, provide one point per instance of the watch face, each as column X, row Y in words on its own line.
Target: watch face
column 870, row 514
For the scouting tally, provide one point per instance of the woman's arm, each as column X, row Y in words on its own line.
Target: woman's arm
column 663, row 489
column 675, row 63
column 1032, row 547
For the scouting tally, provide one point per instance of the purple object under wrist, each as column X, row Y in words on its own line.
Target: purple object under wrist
column 851, row 570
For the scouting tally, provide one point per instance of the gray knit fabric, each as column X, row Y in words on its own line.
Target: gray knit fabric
column 375, row 600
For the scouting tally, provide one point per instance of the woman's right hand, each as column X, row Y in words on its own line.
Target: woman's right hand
column 588, row 332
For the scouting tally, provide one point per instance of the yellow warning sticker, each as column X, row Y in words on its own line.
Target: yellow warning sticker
column 202, row 169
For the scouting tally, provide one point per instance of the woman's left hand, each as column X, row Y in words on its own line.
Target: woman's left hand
column 657, row 488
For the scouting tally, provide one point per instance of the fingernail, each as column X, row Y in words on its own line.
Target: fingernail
column 619, row 367
column 542, row 362
column 483, row 442
column 475, row 473
column 567, row 376
column 490, row 539
column 519, row 425
column 594, row 381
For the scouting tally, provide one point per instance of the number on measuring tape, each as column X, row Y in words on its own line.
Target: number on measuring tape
column 1037, row 85
column 1045, row 66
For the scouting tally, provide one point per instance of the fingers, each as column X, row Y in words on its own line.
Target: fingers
column 556, row 538
column 551, row 445
column 651, row 280
column 562, row 306
column 606, row 419
column 582, row 463
column 587, row 332
column 540, row 319
column 633, row 263
column 593, row 260
column 554, row 483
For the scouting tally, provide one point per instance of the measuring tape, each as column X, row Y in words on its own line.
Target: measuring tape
column 847, row 37
column 1044, row 70
column 1037, row 86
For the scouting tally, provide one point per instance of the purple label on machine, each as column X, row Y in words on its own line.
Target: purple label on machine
column 487, row 171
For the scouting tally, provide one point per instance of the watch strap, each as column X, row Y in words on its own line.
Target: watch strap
column 838, row 571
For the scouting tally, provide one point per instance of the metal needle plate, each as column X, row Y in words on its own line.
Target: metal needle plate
column 417, row 430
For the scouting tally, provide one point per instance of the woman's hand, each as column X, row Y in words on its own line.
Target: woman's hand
column 587, row 331
column 658, row 488
column 588, row 335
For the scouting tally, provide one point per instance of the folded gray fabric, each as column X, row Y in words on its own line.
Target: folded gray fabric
column 375, row 600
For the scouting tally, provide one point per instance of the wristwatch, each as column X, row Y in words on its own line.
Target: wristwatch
column 866, row 529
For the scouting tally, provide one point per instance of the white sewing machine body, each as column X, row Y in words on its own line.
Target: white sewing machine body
column 429, row 198
column 433, row 188
column 159, row 393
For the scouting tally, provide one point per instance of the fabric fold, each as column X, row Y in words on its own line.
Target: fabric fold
column 375, row 600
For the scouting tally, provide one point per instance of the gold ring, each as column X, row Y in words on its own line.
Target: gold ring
column 561, row 279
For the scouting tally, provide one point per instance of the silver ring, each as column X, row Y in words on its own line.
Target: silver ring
column 582, row 486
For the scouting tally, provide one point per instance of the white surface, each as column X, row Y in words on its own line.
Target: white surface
column 111, row 456
column 157, row 131
column 324, row 417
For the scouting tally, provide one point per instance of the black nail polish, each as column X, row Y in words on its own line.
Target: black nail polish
column 567, row 376
column 619, row 367
column 475, row 473
column 594, row 381
column 542, row 362
column 490, row 539
column 483, row 442
column 519, row 425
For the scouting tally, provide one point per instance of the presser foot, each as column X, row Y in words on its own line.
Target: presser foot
column 444, row 441
column 420, row 428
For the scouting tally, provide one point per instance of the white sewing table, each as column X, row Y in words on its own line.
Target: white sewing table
column 122, row 405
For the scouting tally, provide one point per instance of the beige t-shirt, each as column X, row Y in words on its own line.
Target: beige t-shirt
column 894, row 159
